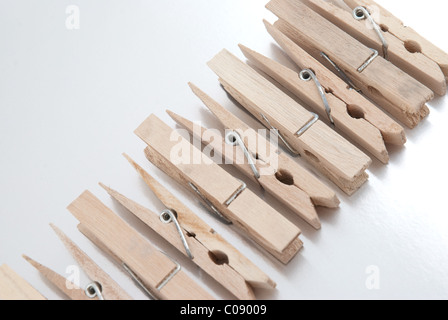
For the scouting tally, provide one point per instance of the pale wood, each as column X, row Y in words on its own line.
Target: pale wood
column 340, row 3
column 205, row 235
column 180, row 287
column 224, row 274
column 326, row 150
column 293, row 197
column 110, row 289
column 415, row 64
column 320, row 194
column 14, row 287
column 218, row 186
column 391, row 131
column 94, row 239
column 396, row 27
column 361, row 131
column 393, row 89
column 274, row 238
column 131, row 248
column 410, row 117
column 74, row 292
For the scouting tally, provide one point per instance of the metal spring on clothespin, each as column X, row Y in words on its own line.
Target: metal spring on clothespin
column 361, row 13
column 307, row 75
column 94, row 290
column 233, row 138
column 168, row 216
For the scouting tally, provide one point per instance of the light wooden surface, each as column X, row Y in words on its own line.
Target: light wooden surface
column 109, row 288
column 320, row 194
column 129, row 247
column 260, row 222
column 210, row 251
column 64, row 131
column 391, row 88
column 391, row 131
column 410, row 37
column 416, row 64
column 70, row 289
column 361, row 131
column 14, row 287
column 224, row 274
column 296, row 199
column 326, row 150
column 206, row 235
column 176, row 289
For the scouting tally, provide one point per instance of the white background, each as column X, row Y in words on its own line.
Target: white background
column 70, row 100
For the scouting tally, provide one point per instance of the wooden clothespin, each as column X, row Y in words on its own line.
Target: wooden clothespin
column 362, row 67
column 14, row 287
column 289, row 182
column 102, row 287
column 157, row 274
column 357, row 106
column 316, row 92
column 326, row 150
column 366, row 21
column 226, row 197
column 197, row 240
column 378, row 29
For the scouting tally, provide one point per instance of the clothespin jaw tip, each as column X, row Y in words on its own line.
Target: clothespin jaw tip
column 192, row 86
column 182, row 121
column 34, row 263
column 58, row 231
column 316, row 224
column 102, row 185
column 133, row 163
column 269, row 26
column 171, row 114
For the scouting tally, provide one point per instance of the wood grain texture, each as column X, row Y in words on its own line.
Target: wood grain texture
column 326, row 150
column 416, row 64
column 127, row 245
column 295, row 198
column 203, row 257
column 109, row 288
column 68, row 288
column 204, row 234
column 393, row 89
column 410, row 37
column 189, row 160
column 14, row 287
column 320, row 194
column 359, row 130
column 217, row 186
column 391, row 131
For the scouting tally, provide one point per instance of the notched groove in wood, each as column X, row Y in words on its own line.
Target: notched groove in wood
column 333, row 155
column 401, row 94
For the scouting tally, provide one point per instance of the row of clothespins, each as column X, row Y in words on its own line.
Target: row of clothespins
column 353, row 57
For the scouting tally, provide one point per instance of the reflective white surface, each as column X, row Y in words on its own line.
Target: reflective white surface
column 70, row 100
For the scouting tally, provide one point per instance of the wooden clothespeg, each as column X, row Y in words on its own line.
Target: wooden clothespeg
column 14, row 287
column 289, row 182
column 223, row 194
column 357, row 105
column 334, row 156
column 209, row 251
column 160, row 276
column 313, row 82
column 102, row 286
column 413, row 41
column 376, row 28
column 380, row 80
